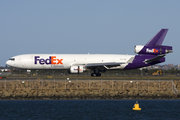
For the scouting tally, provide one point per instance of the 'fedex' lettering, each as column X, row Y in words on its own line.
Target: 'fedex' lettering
column 50, row 60
column 77, row 69
column 151, row 51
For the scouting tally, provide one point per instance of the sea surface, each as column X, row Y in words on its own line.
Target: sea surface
column 89, row 110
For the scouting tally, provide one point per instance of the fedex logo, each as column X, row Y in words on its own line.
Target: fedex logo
column 77, row 69
column 50, row 60
column 151, row 51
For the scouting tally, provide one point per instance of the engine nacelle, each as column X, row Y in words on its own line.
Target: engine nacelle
column 139, row 49
column 76, row 69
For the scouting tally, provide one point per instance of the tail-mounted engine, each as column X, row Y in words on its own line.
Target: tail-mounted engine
column 157, row 50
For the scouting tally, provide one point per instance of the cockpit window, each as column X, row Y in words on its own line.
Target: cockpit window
column 12, row 59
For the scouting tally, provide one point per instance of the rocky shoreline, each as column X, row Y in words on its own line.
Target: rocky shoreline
column 110, row 89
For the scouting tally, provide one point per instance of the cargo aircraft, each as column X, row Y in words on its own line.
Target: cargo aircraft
column 153, row 52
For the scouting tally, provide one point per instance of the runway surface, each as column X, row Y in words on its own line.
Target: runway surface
column 70, row 79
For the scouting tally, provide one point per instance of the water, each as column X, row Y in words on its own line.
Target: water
column 89, row 110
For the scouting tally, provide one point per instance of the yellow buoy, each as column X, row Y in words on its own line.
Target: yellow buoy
column 136, row 106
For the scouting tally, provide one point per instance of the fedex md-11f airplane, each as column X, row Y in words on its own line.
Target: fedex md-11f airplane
column 151, row 53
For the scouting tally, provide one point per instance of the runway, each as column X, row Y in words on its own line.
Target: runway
column 73, row 79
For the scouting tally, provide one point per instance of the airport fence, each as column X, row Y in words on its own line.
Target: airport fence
column 135, row 85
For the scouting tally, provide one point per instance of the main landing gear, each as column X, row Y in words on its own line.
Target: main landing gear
column 96, row 74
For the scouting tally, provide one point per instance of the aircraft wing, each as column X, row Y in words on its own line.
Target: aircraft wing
column 107, row 65
column 154, row 59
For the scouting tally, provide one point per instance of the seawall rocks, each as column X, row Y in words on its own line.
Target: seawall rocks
column 87, row 89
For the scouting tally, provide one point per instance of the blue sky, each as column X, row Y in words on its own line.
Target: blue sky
column 82, row 26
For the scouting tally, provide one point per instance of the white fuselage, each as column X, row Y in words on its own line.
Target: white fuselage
column 65, row 61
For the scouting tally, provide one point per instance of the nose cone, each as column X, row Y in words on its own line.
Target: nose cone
column 8, row 63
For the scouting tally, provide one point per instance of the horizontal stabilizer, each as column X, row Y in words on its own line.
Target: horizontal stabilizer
column 154, row 59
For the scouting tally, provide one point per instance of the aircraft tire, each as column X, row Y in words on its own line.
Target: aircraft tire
column 98, row 74
column 93, row 75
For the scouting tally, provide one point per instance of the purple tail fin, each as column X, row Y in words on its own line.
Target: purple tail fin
column 158, row 39
column 154, row 46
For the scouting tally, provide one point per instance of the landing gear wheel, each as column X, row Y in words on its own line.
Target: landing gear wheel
column 98, row 74
column 93, row 75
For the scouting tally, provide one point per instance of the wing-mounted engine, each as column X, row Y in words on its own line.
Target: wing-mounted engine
column 76, row 69
column 156, row 50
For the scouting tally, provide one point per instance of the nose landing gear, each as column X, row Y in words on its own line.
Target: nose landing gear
column 28, row 73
